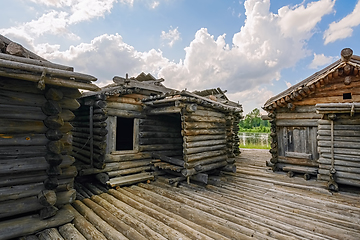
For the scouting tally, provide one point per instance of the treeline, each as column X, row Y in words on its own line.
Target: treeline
column 253, row 123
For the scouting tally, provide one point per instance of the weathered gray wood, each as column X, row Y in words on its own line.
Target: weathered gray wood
column 187, row 132
column 193, row 150
column 21, row 126
column 50, row 234
column 69, row 232
column 31, row 224
column 65, row 197
column 204, row 143
column 203, row 155
column 297, row 123
column 206, row 113
column 348, row 169
column 87, row 229
column 23, row 139
column 175, row 161
column 37, row 62
column 200, row 125
column 193, row 118
column 50, row 80
column 147, row 141
column 124, row 113
column 297, row 115
column 159, row 134
column 126, row 157
column 40, row 69
column 115, row 166
column 346, row 181
column 130, row 179
column 21, row 112
column 104, row 227
column 345, row 133
column 298, row 155
column 124, row 106
column 340, row 174
column 128, row 171
column 205, row 161
column 163, row 110
column 339, row 144
column 298, row 161
column 157, row 147
column 189, row 139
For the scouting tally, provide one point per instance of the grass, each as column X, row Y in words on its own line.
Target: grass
column 254, row 146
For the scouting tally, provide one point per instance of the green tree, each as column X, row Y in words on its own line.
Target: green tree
column 253, row 122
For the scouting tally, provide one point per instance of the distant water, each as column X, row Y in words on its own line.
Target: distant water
column 257, row 139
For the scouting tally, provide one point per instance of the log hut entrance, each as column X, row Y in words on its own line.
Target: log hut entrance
column 124, row 134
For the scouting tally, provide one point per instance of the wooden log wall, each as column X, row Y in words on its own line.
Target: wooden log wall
column 293, row 139
column 205, row 137
column 89, row 133
column 36, row 172
column 341, row 151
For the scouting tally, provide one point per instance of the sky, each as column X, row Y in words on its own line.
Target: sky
column 254, row 49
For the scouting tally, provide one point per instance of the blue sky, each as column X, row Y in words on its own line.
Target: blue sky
column 254, row 49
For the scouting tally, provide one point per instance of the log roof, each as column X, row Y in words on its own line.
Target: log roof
column 309, row 85
column 20, row 63
column 253, row 203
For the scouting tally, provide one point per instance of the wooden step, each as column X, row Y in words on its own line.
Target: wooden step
column 130, row 179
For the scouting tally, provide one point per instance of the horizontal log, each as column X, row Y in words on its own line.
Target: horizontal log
column 202, row 125
column 297, row 115
column 100, row 151
column 345, row 133
column 188, row 139
column 51, row 71
column 79, row 142
column 200, row 177
column 130, row 179
column 35, row 62
column 345, row 151
column 298, row 169
column 22, row 151
column 159, row 135
column 340, row 127
column 339, row 144
column 355, row 170
column 49, row 80
column 175, row 161
column 147, row 141
column 204, row 143
column 116, row 166
column 31, row 224
column 21, row 98
column 202, row 132
column 21, row 112
column 125, row 106
column 163, row 110
column 21, row 126
column 147, row 128
column 193, row 150
column 124, row 113
column 20, row 191
column 339, row 174
column 87, row 124
column 341, row 120
column 206, row 161
column 346, row 181
column 338, row 138
column 23, row 139
column 128, row 171
column 297, row 123
column 203, row 155
column 69, row 103
column 126, row 157
column 207, row 113
column 95, row 117
column 96, row 131
column 156, row 147
column 124, row 100
column 341, row 157
column 193, row 118
column 298, row 161
column 65, row 197
column 298, row 155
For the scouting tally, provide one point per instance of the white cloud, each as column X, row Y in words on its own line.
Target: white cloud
column 343, row 28
column 264, row 46
column 171, row 36
column 88, row 9
column 288, row 84
column 320, row 60
column 154, row 4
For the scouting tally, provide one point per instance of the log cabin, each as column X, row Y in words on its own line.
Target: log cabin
column 140, row 128
column 315, row 124
column 37, row 100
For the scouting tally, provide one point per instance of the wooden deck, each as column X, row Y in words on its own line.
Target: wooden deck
column 251, row 203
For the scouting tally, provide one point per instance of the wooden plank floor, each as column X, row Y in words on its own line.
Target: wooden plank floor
column 253, row 203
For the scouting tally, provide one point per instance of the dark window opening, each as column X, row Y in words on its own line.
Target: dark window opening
column 346, row 95
column 124, row 134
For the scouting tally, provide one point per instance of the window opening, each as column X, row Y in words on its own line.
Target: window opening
column 346, row 95
column 124, row 134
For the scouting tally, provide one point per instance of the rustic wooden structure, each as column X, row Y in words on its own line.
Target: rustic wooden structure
column 314, row 124
column 143, row 126
column 37, row 100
